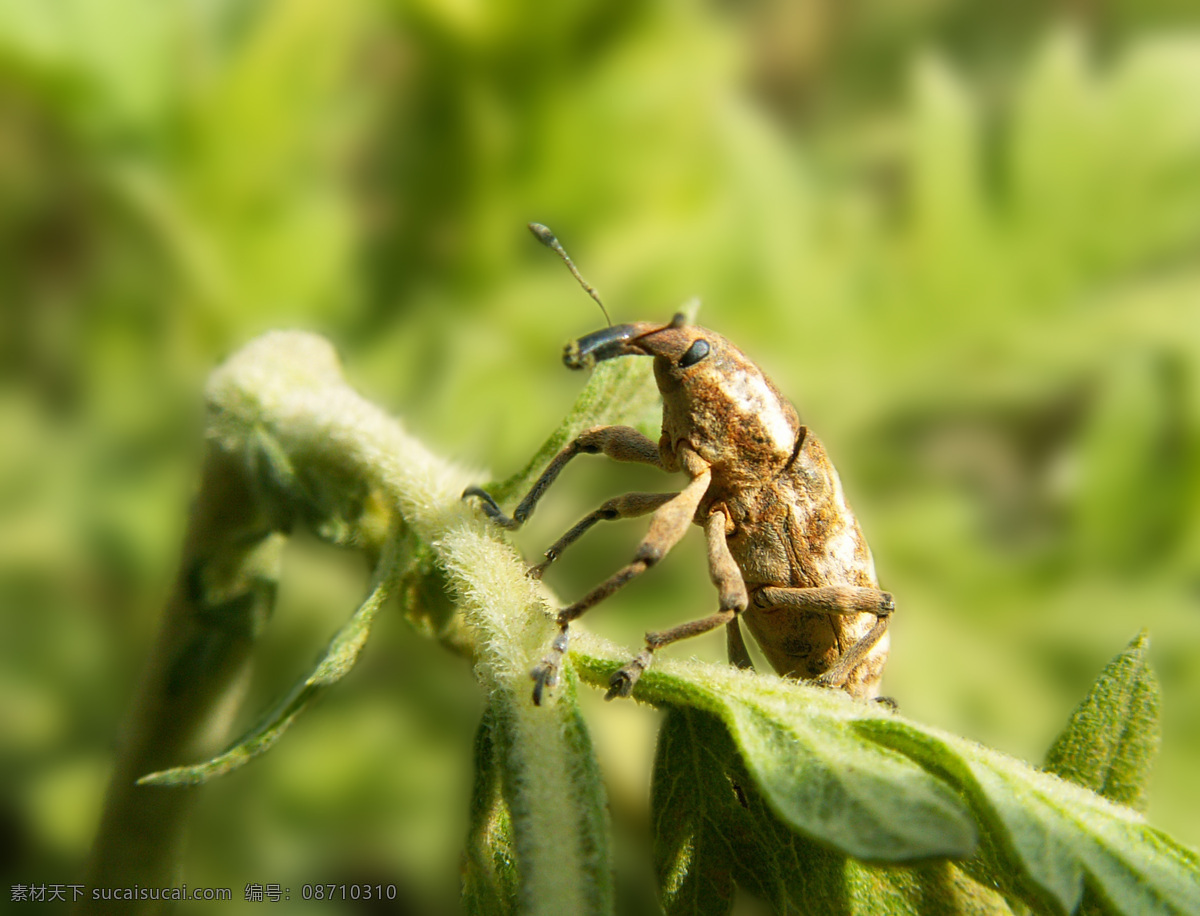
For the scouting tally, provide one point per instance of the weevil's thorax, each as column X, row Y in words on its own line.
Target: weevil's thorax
column 724, row 407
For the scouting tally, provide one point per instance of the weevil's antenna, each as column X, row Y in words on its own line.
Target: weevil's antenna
column 547, row 238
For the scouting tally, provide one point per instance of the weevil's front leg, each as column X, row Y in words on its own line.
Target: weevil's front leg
column 621, row 443
column 630, row 505
column 727, row 578
column 668, row 524
column 837, row 599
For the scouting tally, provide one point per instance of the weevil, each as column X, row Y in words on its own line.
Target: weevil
column 785, row 551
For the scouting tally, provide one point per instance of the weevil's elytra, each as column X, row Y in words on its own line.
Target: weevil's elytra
column 784, row 548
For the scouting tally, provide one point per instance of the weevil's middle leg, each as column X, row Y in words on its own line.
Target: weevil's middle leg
column 630, row 505
column 727, row 578
column 621, row 443
column 668, row 524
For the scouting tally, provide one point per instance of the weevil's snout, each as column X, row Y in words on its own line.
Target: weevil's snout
column 600, row 345
column 642, row 338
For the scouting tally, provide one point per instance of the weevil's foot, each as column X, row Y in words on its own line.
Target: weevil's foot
column 536, row 572
column 887, row 604
column 889, row 702
column 545, row 677
column 831, row 678
column 622, row 682
column 491, row 508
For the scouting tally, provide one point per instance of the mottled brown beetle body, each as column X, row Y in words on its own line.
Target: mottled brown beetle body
column 800, row 533
column 789, row 524
column 784, row 549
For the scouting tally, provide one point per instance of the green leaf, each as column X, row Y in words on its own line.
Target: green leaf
column 1052, row 836
column 871, row 784
column 819, row 775
column 713, row 829
column 490, row 875
column 1112, row 738
column 339, row 658
column 690, row 801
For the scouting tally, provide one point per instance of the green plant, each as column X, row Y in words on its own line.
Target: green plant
column 809, row 799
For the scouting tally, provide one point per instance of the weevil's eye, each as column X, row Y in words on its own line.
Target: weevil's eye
column 696, row 352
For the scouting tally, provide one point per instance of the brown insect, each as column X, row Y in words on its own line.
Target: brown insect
column 784, row 549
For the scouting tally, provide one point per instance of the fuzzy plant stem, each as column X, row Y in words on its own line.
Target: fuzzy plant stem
column 288, row 388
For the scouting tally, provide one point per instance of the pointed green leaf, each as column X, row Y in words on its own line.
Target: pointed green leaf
column 339, row 658
column 1112, row 738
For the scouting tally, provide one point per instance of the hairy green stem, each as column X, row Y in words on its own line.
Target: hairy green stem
column 283, row 401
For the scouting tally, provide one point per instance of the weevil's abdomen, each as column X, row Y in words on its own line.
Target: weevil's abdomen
column 806, row 645
column 801, row 533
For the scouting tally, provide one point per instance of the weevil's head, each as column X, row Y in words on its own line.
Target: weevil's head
column 714, row 398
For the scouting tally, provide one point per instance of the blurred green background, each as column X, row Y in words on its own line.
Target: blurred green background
column 964, row 238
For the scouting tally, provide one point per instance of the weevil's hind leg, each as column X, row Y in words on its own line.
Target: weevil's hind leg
column 621, row 683
column 726, row 577
column 837, row 599
column 668, row 524
column 852, row 657
column 828, row 599
column 735, row 647
column 621, row 443
column 630, row 505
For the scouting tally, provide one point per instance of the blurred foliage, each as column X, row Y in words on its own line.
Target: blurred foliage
column 962, row 237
